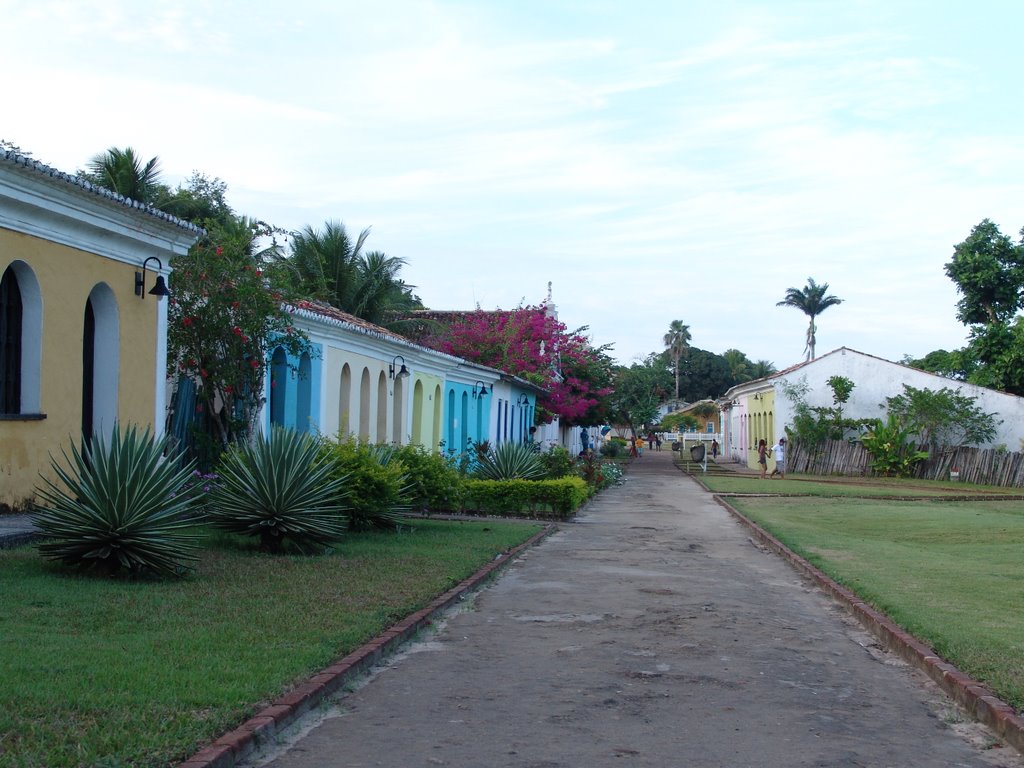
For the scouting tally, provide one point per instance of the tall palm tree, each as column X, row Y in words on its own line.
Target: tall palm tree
column 812, row 301
column 330, row 267
column 677, row 340
column 123, row 171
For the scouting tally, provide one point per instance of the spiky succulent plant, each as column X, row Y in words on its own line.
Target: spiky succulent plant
column 118, row 504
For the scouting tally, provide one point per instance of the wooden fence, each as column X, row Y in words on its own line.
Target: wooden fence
column 975, row 465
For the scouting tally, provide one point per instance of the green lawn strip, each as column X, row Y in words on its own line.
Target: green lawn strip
column 95, row 672
column 879, row 487
column 951, row 573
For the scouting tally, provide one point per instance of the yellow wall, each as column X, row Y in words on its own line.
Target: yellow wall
column 760, row 425
column 433, row 386
column 66, row 276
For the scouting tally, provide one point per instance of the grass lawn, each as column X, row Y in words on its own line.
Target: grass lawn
column 950, row 572
column 849, row 487
column 108, row 673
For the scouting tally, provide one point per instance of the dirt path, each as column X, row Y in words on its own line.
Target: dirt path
column 649, row 633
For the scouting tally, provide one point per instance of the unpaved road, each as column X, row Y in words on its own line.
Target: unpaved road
column 651, row 632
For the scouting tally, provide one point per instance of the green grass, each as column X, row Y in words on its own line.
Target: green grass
column 98, row 672
column 872, row 487
column 949, row 572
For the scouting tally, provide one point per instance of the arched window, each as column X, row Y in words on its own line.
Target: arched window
column 453, row 446
column 304, row 394
column 397, row 409
column 417, row 413
column 364, row 405
column 382, row 409
column 10, row 343
column 21, row 340
column 101, row 362
column 278, row 386
column 344, row 399
column 435, row 425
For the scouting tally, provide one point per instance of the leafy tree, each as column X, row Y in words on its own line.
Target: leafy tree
column 638, row 390
column 945, row 417
column 123, row 171
column 812, row 300
column 988, row 270
column 201, row 200
column 958, row 364
column 705, row 375
column 224, row 315
column 677, row 341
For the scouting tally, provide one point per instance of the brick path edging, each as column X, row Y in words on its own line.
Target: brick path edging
column 973, row 696
column 262, row 727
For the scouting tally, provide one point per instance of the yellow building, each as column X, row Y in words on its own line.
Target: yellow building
column 83, row 343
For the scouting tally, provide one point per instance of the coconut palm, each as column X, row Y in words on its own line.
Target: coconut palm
column 677, row 340
column 812, row 301
column 330, row 266
column 123, row 171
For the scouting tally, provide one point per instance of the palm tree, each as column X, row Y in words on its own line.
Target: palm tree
column 677, row 341
column 763, row 368
column 122, row 171
column 739, row 365
column 812, row 301
column 329, row 266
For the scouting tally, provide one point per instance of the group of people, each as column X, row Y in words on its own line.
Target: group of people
column 779, row 451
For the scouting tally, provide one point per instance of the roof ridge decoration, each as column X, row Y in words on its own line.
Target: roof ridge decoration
column 16, row 158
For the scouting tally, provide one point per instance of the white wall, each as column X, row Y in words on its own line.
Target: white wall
column 876, row 379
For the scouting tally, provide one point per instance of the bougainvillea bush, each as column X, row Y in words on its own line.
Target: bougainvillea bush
column 530, row 343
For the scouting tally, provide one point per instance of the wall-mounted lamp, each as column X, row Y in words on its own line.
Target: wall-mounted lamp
column 479, row 392
column 159, row 288
column 524, row 399
column 403, row 372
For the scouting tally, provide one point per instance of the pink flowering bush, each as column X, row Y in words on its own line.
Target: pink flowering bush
column 529, row 343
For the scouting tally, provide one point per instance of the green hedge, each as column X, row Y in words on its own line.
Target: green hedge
column 529, row 498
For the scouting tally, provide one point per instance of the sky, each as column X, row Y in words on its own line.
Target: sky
column 652, row 161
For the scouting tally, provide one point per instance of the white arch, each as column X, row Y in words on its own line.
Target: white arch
column 31, row 336
column 106, row 358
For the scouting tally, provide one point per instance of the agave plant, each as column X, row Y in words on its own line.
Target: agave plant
column 280, row 490
column 119, row 505
column 510, row 461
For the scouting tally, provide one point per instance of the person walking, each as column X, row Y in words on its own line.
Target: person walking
column 779, row 449
column 762, row 457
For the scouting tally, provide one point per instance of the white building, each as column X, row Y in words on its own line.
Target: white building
column 760, row 409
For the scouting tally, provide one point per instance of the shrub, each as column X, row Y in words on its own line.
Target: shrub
column 892, row 452
column 510, row 461
column 281, row 490
column 558, row 498
column 434, row 482
column 613, row 448
column 597, row 473
column 557, row 462
column 123, row 506
column 377, row 483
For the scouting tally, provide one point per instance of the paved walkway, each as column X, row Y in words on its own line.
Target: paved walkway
column 650, row 632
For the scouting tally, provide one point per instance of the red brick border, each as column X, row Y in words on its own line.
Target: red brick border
column 978, row 700
column 232, row 747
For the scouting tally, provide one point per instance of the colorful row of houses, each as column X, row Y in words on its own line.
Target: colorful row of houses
column 83, row 343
